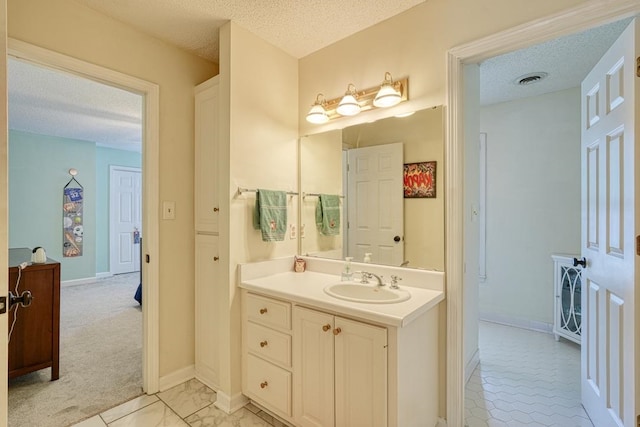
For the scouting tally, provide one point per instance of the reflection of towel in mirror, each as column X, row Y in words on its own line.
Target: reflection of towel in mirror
column 328, row 214
column 270, row 215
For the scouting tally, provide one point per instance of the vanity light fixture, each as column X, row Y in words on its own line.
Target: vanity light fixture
column 349, row 104
column 388, row 95
column 318, row 114
column 354, row 101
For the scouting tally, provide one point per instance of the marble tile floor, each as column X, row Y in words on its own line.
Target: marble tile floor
column 524, row 378
column 187, row 404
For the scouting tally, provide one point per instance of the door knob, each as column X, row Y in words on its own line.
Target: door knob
column 337, row 331
column 582, row 262
column 397, row 239
column 326, row 327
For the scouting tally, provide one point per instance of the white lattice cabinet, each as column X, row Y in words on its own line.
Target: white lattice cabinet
column 568, row 298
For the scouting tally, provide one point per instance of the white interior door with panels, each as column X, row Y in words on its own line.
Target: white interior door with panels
column 125, row 219
column 609, row 225
column 375, row 203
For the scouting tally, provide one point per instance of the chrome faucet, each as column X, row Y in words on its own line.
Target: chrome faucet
column 366, row 276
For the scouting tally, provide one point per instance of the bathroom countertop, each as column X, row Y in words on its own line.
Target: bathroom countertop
column 308, row 289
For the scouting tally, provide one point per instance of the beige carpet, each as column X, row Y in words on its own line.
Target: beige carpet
column 100, row 357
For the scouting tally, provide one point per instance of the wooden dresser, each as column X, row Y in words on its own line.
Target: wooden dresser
column 35, row 339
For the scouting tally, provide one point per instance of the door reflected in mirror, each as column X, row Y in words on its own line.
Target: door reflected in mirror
column 363, row 166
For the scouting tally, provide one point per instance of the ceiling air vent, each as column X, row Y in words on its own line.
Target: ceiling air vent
column 530, row 78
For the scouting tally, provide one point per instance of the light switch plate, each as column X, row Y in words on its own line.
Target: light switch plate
column 292, row 231
column 168, row 210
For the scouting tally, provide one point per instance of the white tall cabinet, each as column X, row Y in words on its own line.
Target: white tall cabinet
column 207, row 259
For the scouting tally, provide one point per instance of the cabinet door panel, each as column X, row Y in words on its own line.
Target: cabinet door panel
column 207, row 362
column 313, row 362
column 360, row 374
column 206, row 159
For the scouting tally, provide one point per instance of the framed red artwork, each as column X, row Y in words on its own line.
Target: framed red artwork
column 420, row 180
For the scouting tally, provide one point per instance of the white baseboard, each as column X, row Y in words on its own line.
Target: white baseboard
column 230, row 404
column 471, row 365
column 531, row 325
column 104, row 275
column 177, row 377
column 76, row 282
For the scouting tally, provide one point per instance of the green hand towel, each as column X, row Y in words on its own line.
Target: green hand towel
column 328, row 214
column 270, row 215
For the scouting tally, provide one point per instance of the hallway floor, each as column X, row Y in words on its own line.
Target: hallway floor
column 524, row 378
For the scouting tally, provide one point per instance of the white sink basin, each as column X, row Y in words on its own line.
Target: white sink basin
column 358, row 292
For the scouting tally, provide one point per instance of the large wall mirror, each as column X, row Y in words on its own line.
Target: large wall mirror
column 364, row 166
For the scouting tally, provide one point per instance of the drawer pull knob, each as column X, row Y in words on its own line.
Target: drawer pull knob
column 336, row 331
column 215, row 258
column 263, row 310
column 264, row 384
column 326, row 327
column 263, row 343
column 216, row 209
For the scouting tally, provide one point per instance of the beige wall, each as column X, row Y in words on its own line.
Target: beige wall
column 259, row 83
column 66, row 27
column 412, row 44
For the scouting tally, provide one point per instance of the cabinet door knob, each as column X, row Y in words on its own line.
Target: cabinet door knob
column 216, row 209
column 336, row 331
column 263, row 343
column 216, row 258
column 264, row 384
column 263, row 310
column 326, row 327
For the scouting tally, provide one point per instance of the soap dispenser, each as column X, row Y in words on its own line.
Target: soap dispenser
column 367, row 257
column 346, row 272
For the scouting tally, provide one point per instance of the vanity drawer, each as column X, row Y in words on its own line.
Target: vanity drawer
column 268, row 384
column 269, row 312
column 269, row 344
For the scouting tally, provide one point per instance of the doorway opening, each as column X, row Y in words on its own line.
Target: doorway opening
column 577, row 19
column 149, row 94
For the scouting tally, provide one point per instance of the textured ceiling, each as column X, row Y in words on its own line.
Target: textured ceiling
column 299, row 27
column 566, row 60
column 54, row 103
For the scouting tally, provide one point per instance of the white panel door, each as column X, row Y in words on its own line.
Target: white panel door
column 125, row 219
column 375, row 204
column 609, row 351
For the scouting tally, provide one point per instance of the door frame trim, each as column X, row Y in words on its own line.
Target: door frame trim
column 112, row 169
column 583, row 17
column 150, row 187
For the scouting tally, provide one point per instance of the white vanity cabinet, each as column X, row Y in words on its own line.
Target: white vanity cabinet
column 340, row 371
column 316, row 366
column 266, row 355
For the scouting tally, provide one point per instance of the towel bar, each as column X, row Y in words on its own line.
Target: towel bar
column 255, row 190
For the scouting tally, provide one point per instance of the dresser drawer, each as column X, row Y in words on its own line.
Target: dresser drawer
column 269, row 312
column 268, row 384
column 269, row 344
